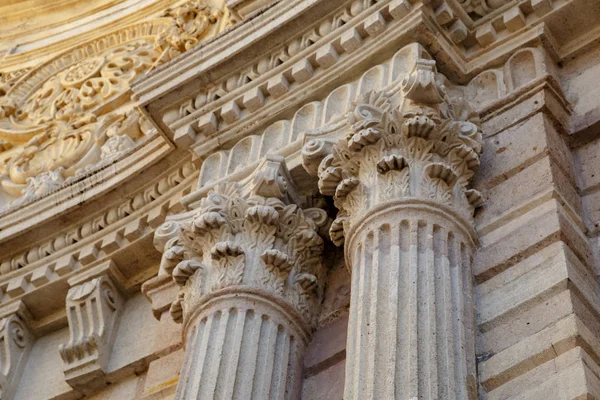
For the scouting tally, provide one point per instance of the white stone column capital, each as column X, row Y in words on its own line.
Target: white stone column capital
column 414, row 142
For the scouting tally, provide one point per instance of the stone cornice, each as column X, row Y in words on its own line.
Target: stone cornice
column 246, row 106
column 89, row 187
column 60, row 39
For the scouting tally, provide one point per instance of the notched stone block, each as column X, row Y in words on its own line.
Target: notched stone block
column 327, row 56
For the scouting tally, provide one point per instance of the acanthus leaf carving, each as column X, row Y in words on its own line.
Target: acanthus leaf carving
column 76, row 112
column 238, row 237
column 413, row 143
column 191, row 22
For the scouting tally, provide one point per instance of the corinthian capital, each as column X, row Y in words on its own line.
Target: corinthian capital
column 413, row 144
column 249, row 237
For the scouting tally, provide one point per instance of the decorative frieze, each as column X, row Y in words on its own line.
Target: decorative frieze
column 93, row 311
column 399, row 170
column 68, row 116
column 248, row 263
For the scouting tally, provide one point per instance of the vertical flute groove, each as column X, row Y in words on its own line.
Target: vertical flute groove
column 240, row 354
column 407, row 333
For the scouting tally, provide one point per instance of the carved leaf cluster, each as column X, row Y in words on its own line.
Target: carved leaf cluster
column 428, row 149
column 259, row 242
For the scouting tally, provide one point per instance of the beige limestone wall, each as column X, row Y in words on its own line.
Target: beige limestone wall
column 537, row 295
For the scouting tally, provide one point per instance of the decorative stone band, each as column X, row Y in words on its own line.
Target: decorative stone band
column 248, row 263
column 399, row 170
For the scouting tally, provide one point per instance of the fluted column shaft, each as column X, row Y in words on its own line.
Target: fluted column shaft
column 410, row 333
column 242, row 346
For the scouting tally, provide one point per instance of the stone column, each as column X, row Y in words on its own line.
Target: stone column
column 248, row 262
column 399, row 171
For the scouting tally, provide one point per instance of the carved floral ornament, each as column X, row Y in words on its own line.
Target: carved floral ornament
column 80, row 113
column 413, row 142
column 246, row 239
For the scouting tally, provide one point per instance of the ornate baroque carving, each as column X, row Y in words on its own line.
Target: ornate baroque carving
column 247, row 258
column 246, row 234
column 267, row 63
column 191, row 23
column 93, row 311
column 79, row 113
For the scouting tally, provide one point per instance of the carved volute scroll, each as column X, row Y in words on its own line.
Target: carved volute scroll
column 65, row 117
column 247, row 259
column 93, row 311
column 15, row 345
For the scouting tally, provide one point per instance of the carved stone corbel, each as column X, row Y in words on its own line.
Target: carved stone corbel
column 247, row 260
column 15, row 344
column 94, row 306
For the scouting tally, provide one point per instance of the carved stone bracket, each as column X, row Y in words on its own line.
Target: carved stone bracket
column 93, row 310
column 15, row 345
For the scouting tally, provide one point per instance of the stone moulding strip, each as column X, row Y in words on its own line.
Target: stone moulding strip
column 17, row 220
column 233, row 132
column 94, row 250
column 222, row 44
column 21, row 55
column 454, row 62
column 316, row 64
column 284, row 138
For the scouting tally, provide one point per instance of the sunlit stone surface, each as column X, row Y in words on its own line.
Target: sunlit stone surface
column 328, row 199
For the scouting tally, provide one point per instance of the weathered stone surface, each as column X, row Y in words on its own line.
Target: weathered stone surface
column 454, row 143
